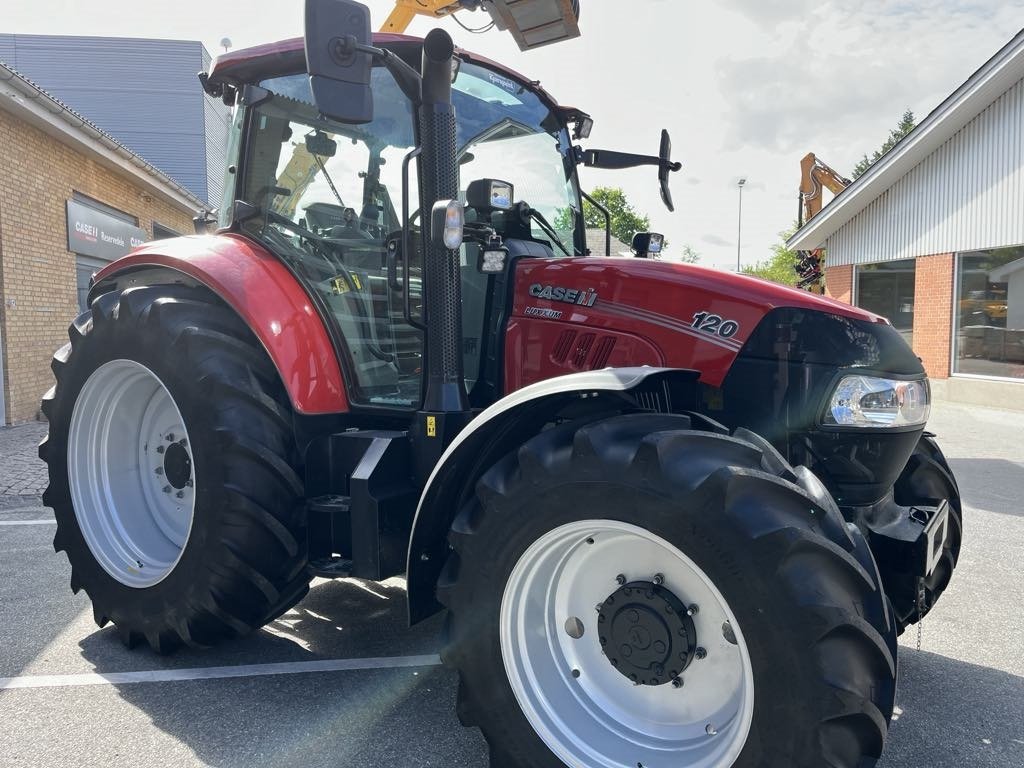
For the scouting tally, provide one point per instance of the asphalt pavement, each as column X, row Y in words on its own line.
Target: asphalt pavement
column 341, row 681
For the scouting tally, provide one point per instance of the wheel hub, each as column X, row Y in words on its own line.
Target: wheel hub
column 177, row 465
column 646, row 633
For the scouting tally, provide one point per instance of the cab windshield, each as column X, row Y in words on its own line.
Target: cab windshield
column 329, row 196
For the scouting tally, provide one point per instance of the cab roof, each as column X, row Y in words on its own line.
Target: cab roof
column 287, row 57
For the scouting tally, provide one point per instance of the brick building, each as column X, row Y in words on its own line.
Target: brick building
column 932, row 237
column 71, row 198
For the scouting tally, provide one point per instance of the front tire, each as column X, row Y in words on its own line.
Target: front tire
column 173, row 470
column 791, row 662
column 927, row 480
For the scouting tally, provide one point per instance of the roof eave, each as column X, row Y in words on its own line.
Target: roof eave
column 983, row 87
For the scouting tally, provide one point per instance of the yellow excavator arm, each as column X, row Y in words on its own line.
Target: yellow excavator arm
column 532, row 23
column 814, row 175
column 406, row 10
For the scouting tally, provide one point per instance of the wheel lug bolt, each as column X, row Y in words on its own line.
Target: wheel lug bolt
column 677, row 682
column 693, row 610
column 710, row 730
column 659, row 579
column 167, row 489
column 620, row 579
column 183, row 443
column 160, row 449
column 170, row 437
column 159, row 470
column 180, row 494
column 700, row 653
column 188, row 483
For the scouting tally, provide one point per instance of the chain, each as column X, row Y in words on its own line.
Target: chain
column 920, row 613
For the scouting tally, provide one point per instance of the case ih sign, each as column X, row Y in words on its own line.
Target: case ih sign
column 94, row 233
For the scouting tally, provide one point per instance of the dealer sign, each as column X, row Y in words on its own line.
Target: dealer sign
column 94, row 233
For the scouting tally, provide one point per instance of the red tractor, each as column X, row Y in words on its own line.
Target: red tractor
column 677, row 517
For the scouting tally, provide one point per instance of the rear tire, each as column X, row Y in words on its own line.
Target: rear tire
column 801, row 584
column 238, row 561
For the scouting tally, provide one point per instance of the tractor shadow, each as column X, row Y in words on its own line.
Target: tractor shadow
column 951, row 714
column 394, row 717
column 992, row 485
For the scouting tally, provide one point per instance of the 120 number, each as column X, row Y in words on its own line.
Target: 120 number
column 714, row 324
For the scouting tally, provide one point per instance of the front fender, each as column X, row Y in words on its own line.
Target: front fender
column 504, row 426
column 267, row 296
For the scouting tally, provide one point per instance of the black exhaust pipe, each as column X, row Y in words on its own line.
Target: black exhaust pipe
column 439, row 180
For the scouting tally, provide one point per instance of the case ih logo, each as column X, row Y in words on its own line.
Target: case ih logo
column 585, row 297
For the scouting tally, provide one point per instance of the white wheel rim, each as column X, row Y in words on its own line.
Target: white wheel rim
column 600, row 718
column 131, row 473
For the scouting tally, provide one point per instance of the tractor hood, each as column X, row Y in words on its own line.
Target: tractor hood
column 577, row 314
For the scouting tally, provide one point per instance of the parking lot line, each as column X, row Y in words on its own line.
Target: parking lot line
column 28, row 522
column 214, row 673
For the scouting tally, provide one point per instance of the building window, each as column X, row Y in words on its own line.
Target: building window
column 887, row 289
column 160, row 232
column 989, row 313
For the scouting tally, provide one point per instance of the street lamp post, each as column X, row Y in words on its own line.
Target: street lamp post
column 739, row 223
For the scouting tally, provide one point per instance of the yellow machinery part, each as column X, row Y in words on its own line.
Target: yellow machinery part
column 406, row 10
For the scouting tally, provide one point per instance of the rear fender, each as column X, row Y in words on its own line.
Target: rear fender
column 503, row 427
column 264, row 293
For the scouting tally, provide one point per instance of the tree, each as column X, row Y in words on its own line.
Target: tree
column 626, row 220
column 781, row 266
column 906, row 125
column 688, row 256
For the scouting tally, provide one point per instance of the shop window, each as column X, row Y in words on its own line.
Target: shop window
column 989, row 313
column 887, row 289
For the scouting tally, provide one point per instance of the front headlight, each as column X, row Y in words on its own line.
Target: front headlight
column 869, row 401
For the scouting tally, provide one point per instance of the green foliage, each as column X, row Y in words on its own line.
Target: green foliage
column 626, row 220
column 780, row 267
column 687, row 256
column 906, row 125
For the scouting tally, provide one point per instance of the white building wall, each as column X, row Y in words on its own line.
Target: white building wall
column 967, row 195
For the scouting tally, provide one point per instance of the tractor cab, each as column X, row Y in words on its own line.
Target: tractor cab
column 332, row 200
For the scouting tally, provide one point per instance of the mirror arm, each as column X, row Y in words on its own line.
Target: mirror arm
column 407, row 78
column 604, row 158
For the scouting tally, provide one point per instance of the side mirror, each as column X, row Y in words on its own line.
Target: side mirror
column 647, row 244
column 666, row 165
column 339, row 74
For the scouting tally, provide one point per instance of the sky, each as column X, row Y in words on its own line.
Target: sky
column 745, row 87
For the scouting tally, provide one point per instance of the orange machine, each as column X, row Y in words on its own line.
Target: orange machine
column 815, row 175
column 532, row 24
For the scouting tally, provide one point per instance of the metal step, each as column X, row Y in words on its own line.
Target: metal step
column 330, row 567
column 329, row 503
